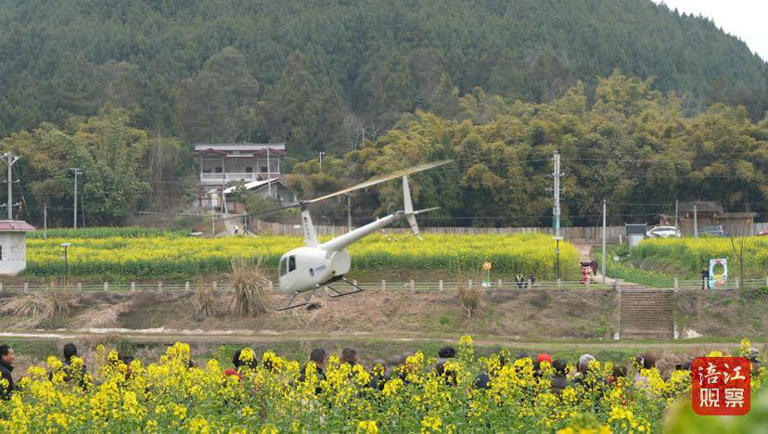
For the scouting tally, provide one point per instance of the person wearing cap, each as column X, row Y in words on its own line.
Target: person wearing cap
column 537, row 364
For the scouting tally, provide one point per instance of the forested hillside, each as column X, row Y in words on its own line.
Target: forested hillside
column 645, row 105
column 632, row 146
column 316, row 74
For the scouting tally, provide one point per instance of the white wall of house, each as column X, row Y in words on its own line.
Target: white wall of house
column 13, row 253
column 241, row 165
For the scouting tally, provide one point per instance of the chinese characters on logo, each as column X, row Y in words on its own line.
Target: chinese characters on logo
column 721, row 385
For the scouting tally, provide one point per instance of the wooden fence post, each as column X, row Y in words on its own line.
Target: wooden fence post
column 500, row 285
column 186, row 285
column 106, row 286
column 79, row 286
column 26, row 286
column 133, row 286
column 440, row 285
column 383, row 285
column 160, row 285
column 677, row 284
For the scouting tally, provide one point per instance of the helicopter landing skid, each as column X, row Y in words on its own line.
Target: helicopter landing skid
column 294, row 306
column 342, row 294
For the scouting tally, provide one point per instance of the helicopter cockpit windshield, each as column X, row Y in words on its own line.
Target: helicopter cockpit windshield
column 287, row 264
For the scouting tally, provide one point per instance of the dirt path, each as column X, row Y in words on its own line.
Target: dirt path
column 169, row 336
column 585, row 249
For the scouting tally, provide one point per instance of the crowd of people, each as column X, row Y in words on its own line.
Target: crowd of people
column 381, row 372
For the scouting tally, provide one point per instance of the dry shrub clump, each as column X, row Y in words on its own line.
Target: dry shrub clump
column 204, row 301
column 249, row 289
column 63, row 302
column 469, row 297
column 33, row 308
column 103, row 315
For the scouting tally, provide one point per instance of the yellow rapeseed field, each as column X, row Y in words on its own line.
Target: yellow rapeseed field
column 154, row 256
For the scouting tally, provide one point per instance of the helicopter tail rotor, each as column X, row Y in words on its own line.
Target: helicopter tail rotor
column 410, row 215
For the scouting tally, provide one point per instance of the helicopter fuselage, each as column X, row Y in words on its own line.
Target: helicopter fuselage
column 310, row 267
column 307, row 268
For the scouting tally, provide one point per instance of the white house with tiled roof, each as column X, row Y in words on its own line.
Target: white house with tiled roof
column 223, row 165
column 13, row 246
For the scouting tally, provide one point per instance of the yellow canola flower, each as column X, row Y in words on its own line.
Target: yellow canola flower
column 367, row 427
column 431, row 424
column 199, row 425
column 269, row 429
column 169, row 395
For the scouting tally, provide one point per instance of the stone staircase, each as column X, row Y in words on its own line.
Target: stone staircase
column 646, row 314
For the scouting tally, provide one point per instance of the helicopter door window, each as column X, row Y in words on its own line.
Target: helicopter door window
column 283, row 266
column 291, row 263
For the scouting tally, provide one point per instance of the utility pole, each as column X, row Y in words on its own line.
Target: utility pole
column 213, row 218
column 677, row 215
column 556, row 211
column 76, row 171
column 9, row 160
column 695, row 221
column 604, row 218
column 269, row 175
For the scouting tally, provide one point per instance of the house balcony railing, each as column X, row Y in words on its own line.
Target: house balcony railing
column 226, row 178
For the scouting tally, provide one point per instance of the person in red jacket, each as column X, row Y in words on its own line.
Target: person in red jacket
column 238, row 363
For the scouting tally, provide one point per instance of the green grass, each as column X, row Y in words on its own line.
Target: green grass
column 628, row 273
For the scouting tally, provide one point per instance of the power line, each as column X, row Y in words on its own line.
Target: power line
column 9, row 159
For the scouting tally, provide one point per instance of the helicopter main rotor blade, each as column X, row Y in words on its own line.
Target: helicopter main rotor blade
column 265, row 212
column 380, row 179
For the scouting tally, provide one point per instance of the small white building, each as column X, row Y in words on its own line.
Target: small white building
column 13, row 246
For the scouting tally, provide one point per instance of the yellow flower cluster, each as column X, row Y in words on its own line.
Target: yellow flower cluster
column 279, row 395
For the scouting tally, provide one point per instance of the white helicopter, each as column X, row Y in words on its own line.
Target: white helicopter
column 316, row 265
